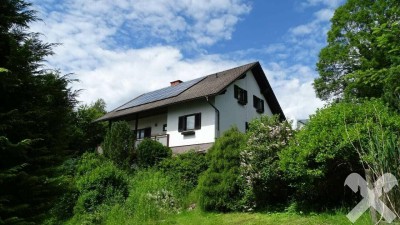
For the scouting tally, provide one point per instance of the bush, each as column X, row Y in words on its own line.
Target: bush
column 118, row 143
column 264, row 185
column 186, row 167
column 153, row 196
column 219, row 186
column 99, row 182
column 324, row 152
column 150, row 152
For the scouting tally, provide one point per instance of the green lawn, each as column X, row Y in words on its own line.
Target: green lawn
column 198, row 217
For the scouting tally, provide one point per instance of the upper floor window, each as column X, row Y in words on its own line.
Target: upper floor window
column 189, row 122
column 258, row 103
column 240, row 95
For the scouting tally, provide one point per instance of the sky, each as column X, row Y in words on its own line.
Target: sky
column 119, row 49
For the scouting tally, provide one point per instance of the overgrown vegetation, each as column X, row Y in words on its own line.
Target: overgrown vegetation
column 118, row 144
column 324, row 153
column 35, row 119
column 263, row 179
column 220, row 186
column 185, row 167
column 149, row 152
column 46, row 178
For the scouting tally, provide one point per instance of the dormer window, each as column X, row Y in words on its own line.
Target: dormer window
column 258, row 103
column 240, row 95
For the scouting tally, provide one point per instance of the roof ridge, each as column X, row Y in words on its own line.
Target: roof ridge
column 181, row 85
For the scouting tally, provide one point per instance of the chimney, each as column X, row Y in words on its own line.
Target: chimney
column 176, row 82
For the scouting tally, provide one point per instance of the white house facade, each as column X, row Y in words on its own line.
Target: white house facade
column 192, row 114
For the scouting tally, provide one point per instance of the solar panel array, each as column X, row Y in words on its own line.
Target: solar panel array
column 160, row 94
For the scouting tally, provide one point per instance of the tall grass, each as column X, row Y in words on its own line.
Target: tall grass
column 380, row 155
column 153, row 197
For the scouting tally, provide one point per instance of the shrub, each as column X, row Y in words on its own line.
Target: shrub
column 150, row 152
column 118, row 143
column 266, row 137
column 153, row 196
column 99, row 182
column 186, row 167
column 219, row 186
column 324, row 152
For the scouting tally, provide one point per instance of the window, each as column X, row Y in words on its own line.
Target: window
column 143, row 133
column 189, row 122
column 164, row 127
column 240, row 95
column 258, row 104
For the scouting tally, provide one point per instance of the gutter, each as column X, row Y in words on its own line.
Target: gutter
column 217, row 112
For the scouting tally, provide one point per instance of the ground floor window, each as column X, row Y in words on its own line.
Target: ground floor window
column 143, row 133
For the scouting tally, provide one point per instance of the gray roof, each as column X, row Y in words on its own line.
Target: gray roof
column 210, row 85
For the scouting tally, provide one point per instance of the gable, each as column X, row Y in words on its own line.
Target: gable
column 210, row 85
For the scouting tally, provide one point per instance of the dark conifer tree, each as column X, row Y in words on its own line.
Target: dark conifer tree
column 35, row 113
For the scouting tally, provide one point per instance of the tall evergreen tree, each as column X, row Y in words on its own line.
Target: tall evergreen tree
column 35, row 113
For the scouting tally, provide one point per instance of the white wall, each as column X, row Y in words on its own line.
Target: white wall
column 155, row 122
column 231, row 112
column 204, row 135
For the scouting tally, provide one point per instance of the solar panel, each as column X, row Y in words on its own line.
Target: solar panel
column 160, row 94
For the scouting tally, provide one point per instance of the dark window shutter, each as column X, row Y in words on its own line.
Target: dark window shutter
column 246, row 126
column 262, row 105
column 255, row 101
column 181, row 123
column 197, row 119
column 147, row 132
column 236, row 91
column 245, row 96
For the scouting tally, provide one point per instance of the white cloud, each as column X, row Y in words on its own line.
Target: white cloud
column 98, row 42
column 294, row 93
column 328, row 3
column 122, row 48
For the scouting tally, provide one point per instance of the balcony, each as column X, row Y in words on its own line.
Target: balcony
column 163, row 139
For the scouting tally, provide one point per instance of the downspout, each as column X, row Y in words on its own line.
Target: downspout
column 216, row 112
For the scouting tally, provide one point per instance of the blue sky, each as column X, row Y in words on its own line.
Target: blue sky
column 119, row 49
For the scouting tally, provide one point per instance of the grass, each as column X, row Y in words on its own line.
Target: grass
column 202, row 218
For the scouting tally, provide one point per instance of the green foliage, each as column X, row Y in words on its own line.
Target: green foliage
column 264, row 184
column 185, row 167
column 99, row 182
column 86, row 134
column 381, row 154
column 153, row 196
column 324, row 152
column 219, row 186
column 150, row 152
column 64, row 205
column 362, row 55
column 118, row 143
column 35, row 117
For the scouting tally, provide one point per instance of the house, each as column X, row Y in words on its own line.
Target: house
column 192, row 114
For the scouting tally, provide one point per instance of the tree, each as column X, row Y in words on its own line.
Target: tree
column 266, row 137
column 220, row 185
column 325, row 151
column 118, row 143
column 86, row 134
column 362, row 56
column 35, row 116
